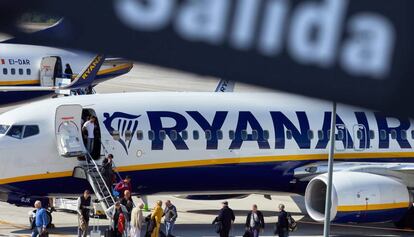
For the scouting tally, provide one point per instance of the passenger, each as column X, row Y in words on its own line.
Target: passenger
column 68, row 71
column 41, row 220
column 224, row 220
column 89, row 126
column 282, row 225
column 255, row 222
column 156, row 215
column 124, row 185
column 107, row 171
column 137, row 220
column 117, row 212
column 129, row 205
column 170, row 214
column 84, row 207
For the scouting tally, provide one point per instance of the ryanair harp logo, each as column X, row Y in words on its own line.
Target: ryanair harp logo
column 125, row 124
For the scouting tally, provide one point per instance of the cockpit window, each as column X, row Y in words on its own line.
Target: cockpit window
column 3, row 128
column 30, row 130
column 16, row 131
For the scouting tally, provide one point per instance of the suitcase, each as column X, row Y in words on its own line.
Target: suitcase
column 95, row 229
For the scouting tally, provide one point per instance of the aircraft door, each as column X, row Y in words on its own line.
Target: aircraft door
column 341, row 138
column 360, row 137
column 68, row 130
column 49, row 68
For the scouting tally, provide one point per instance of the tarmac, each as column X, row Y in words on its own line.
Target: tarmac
column 195, row 217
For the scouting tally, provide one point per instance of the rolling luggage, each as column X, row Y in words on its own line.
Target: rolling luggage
column 109, row 233
column 95, row 229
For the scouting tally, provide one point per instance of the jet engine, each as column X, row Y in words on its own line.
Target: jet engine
column 358, row 197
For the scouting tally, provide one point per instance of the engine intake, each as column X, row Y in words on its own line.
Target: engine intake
column 358, row 197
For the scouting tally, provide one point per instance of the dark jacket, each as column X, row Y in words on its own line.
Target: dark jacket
column 260, row 224
column 226, row 216
column 129, row 205
column 170, row 213
column 107, row 168
column 282, row 220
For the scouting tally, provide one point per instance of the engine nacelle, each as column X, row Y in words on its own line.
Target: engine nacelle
column 358, row 197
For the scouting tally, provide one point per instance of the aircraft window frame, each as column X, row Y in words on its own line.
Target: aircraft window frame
column 255, row 135
column 208, row 135
column 128, row 135
column 173, row 135
column 14, row 136
column 20, row 71
column 383, row 134
column 162, row 135
column 232, row 135
column 393, row 133
column 184, row 135
column 340, row 134
column 28, row 71
column 196, row 135
column 140, row 135
column 4, row 128
column 243, row 134
column 320, row 134
column 151, row 135
column 5, row 71
column 266, row 134
column 412, row 134
column 310, row 134
column 403, row 134
column 34, row 133
column 289, row 135
column 371, row 134
column 359, row 134
column 219, row 134
column 13, row 71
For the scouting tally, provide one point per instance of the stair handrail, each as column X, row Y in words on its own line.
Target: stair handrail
column 113, row 163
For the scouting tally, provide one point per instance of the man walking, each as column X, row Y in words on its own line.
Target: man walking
column 107, row 170
column 89, row 126
column 170, row 214
column 84, row 207
column 282, row 225
column 255, row 222
column 225, row 219
column 41, row 220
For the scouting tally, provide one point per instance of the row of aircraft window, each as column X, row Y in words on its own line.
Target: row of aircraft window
column 20, row 71
column 208, row 134
column 19, row 131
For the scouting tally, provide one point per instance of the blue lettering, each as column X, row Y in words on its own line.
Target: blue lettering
column 346, row 139
column 365, row 141
column 383, row 126
column 280, row 122
column 244, row 119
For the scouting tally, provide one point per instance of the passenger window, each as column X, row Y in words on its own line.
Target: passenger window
column 162, row 134
column 140, row 135
column 404, row 134
column 184, row 135
column 371, row 134
column 5, row 71
column 28, row 71
column 196, row 135
column 13, row 71
column 219, row 134
column 173, row 135
column 232, row 135
column 412, row 134
column 340, row 135
column 30, row 130
column 244, row 135
column 3, row 129
column 15, row 131
column 310, row 134
column 20, row 71
column 383, row 134
column 208, row 135
column 266, row 135
column 128, row 135
column 320, row 134
column 151, row 135
column 393, row 134
column 255, row 135
column 288, row 134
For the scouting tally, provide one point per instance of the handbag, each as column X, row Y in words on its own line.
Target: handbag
column 44, row 234
column 247, row 233
column 218, row 226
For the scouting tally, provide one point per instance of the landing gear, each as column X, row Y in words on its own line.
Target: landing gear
column 407, row 221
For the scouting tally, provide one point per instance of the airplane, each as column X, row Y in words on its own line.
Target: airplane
column 29, row 72
column 214, row 143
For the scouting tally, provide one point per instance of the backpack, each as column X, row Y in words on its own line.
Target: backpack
column 293, row 225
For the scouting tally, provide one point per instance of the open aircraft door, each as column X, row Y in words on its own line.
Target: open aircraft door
column 49, row 67
column 69, row 131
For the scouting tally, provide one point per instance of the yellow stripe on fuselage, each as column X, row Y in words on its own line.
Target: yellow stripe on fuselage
column 18, row 83
column 373, row 207
column 226, row 161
